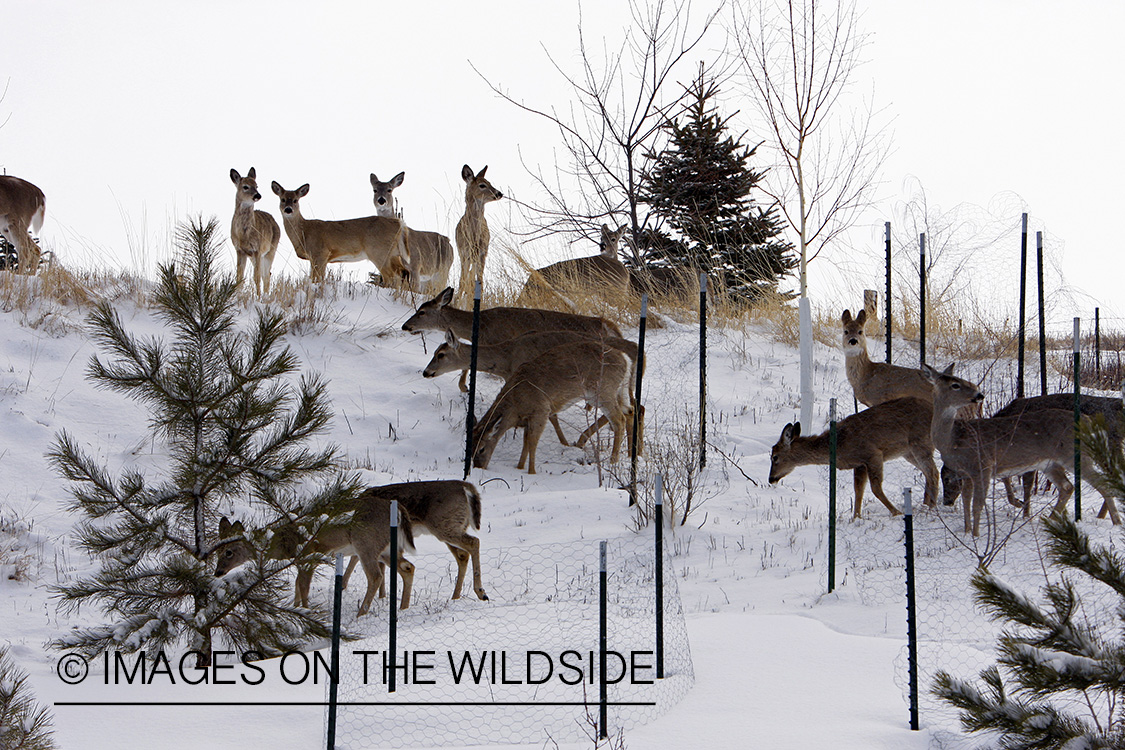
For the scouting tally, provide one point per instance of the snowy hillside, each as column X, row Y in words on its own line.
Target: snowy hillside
column 778, row 662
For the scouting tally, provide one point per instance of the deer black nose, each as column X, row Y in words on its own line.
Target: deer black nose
column 853, row 342
column 381, row 201
column 257, row 196
column 978, row 398
column 288, row 209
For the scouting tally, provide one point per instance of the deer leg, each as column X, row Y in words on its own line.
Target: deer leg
column 351, row 567
column 1063, row 485
column 951, row 485
column 240, row 263
column 859, row 481
column 618, row 423
column 304, row 581
column 406, row 571
column 558, row 429
column 531, row 434
column 968, row 488
column 461, row 383
column 462, row 558
column 925, row 463
column 980, row 493
column 1011, row 493
column 875, row 474
column 588, row 433
column 472, row 544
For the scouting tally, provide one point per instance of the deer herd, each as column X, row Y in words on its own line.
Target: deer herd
column 913, row 411
column 550, row 360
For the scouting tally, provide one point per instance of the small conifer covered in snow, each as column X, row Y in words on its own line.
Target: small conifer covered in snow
column 231, row 423
column 23, row 724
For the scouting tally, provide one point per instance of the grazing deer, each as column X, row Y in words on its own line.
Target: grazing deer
column 22, row 207
column 375, row 238
column 602, row 272
column 500, row 323
column 472, row 230
column 864, row 442
column 364, row 532
column 446, row 508
column 254, row 234
column 1091, row 406
column 547, row 385
column 979, row 449
column 504, row 358
column 431, row 253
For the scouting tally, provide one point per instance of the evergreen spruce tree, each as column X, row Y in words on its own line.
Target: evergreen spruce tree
column 23, row 724
column 232, row 427
column 700, row 186
column 1066, row 675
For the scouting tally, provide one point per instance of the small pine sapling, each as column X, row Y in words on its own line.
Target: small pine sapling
column 228, row 422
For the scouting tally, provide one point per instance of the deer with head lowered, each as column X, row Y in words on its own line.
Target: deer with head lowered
column 504, row 358
column 499, row 324
column 254, row 234
column 604, row 272
column 548, row 384
column 364, row 531
column 980, row 449
column 22, row 207
column 472, row 230
column 431, row 253
column 375, row 238
column 864, row 442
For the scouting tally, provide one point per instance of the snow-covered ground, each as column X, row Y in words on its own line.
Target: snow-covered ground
column 778, row 662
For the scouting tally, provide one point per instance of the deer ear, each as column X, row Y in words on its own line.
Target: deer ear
column 949, row 370
column 276, row 188
column 252, row 174
column 789, row 432
column 861, row 318
column 622, row 228
column 224, row 524
column 929, row 373
column 451, row 340
column 234, row 176
column 480, row 174
column 374, row 180
column 397, row 179
column 466, row 173
column 303, row 190
column 846, row 317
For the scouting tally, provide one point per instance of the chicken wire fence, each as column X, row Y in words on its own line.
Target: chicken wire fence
column 953, row 634
column 524, row 666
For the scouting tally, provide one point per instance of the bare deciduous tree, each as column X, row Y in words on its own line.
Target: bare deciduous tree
column 622, row 97
column 798, row 60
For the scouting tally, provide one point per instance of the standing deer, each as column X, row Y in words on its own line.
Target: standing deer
column 502, row 360
column 431, row 253
column 254, row 234
column 364, row 532
column 500, row 323
column 375, row 238
column 864, row 442
column 472, row 229
column 446, row 508
column 22, row 207
column 604, row 272
column 980, row 449
column 547, row 385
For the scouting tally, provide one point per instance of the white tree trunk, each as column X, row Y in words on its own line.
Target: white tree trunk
column 805, row 312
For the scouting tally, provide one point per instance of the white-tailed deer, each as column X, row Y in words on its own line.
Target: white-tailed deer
column 447, row 509
column 547, row 385
column 1090, row 406
column 876, row 382
column 604, row 272
column 364, row 532
column 980, row 449
column 431, row 253
column 375, row 238
column 254, row 234
column 500, row 323
column 472, row 229
column 504, row 358
column 22, row 207
column 864, row 442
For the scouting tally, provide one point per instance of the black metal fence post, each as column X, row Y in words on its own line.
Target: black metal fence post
column 887, row 299
column 911, row 611
column 603, row 638
column 334, row 683
column 1042, row 317
column 470, row 415
column 702, row 369
column 392, row 603
column 1077, row 418
column 659, row 576
column 831, row 495
column 1023, row 308
column 637, row 402
column 922, row 297
column 1097, row 347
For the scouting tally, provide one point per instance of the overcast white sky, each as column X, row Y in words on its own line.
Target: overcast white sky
column 130, row 115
